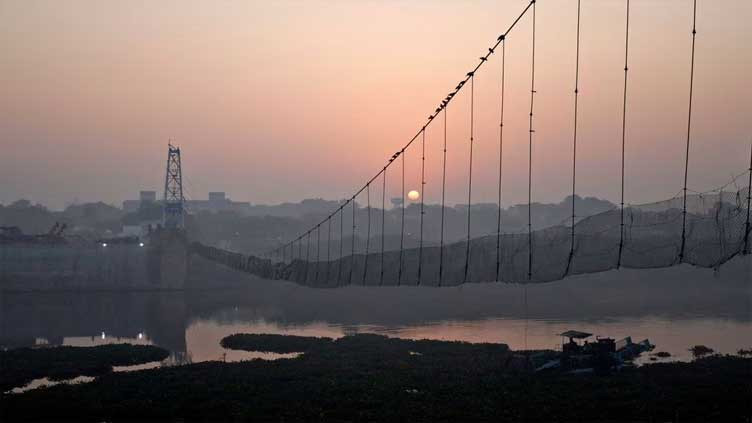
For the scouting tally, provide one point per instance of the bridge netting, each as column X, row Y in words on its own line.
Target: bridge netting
column 717, row 229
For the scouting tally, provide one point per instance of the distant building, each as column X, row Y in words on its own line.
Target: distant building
column 130, row 206
column 217, row 197
column 217, row 201
column 147, row 196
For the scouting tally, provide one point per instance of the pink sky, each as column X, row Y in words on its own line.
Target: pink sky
column 284, row 100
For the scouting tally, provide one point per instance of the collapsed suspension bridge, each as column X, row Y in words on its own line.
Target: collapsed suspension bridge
column 704, row 229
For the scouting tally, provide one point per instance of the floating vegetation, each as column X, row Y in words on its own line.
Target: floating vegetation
column 375, row 378
column 20, row 366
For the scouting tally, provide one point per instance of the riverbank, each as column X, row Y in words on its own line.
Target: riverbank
column 370, row 377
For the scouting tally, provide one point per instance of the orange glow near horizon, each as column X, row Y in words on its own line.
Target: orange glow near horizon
column 285, row 100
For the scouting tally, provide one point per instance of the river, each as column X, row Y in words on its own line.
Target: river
column 675, row 308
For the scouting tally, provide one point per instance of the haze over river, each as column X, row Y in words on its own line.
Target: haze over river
column 675, row 308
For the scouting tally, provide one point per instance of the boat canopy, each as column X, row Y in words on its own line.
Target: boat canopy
column 575, row 334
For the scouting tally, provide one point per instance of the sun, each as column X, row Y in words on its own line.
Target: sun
column 413, row 195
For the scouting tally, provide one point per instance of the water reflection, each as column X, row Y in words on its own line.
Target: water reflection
column 674, row 308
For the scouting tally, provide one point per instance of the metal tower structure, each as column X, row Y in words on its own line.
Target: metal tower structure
column 172, row 215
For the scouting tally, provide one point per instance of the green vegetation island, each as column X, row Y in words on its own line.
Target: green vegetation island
column 375, row 378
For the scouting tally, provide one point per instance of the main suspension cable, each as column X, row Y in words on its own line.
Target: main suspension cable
column 689, row 132
column 445, row 102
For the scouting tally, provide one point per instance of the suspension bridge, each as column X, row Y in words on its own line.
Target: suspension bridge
column 348, row 246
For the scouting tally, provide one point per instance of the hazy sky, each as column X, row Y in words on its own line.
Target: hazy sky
column 282, row 100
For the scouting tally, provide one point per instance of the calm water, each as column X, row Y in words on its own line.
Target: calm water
column 673, row 308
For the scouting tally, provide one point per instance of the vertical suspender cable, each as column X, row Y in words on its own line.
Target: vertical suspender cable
column 328, row 247
column 341, row 241
column 368, row 231
column 749, row 201
column 352, row 247
column 470, row 173
column 422, row 203
column 383, row 222
column 574, row 140
column 307, row 254
column 623, row 138
column 501, row 156
column 402, row 230
column 689, row 130
column 530, row 162
column 530, row 184
column 443, row 200
column 318, row 251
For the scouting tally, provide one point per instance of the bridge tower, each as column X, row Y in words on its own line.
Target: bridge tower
column 173, row 215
